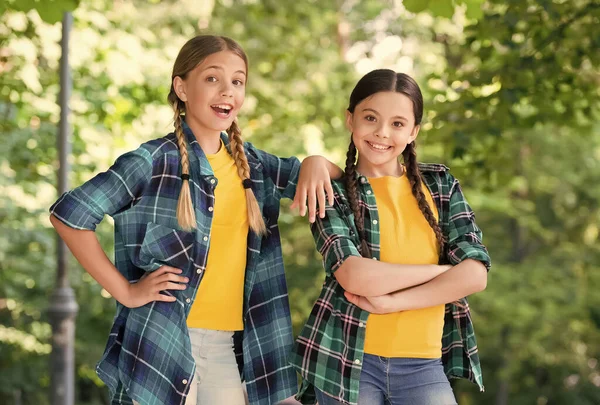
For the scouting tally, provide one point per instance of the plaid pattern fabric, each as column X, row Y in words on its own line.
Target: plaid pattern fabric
column 148, row 356
column 329, row 351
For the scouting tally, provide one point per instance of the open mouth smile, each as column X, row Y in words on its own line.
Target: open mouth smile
column 378, row 147
column 222, row 110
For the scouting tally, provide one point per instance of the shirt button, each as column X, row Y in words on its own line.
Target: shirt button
column 368, row 191
column 374, row 222
column 210, row 209
column 205, row 238
column 184, row 382
column 374, row 258
column 361, row 325
column 357, row 361
column 199, row 271
column 188, row 300
column 212, row 181
column 363, row 180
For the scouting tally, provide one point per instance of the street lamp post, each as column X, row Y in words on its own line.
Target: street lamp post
column 63, row 307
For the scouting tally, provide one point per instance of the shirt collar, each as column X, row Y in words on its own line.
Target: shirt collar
column 199, row 155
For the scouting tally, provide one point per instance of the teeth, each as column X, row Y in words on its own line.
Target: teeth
column 379, row 147
column 223, row 106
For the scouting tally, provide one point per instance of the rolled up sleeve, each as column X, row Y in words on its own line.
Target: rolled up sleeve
column 283, row 172
column 465, row 237
column 106, row 193
column 334, row 238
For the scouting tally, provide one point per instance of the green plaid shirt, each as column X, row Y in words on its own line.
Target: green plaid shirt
column 329, row 351
column 148, row 355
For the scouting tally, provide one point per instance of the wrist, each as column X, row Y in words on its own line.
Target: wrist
column 124, row 293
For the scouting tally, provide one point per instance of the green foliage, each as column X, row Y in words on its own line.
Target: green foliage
column 517, row 117
column 445, row 8
column 51, row 11
column 512, row 106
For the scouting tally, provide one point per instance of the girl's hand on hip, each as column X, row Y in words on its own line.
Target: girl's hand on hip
column 314, row 184
column 149, row 287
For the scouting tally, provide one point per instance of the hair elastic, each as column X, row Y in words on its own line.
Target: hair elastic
column 247, row 183
column 185, row 176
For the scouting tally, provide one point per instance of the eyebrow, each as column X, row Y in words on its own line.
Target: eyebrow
column 397, row 116
column 220, row 68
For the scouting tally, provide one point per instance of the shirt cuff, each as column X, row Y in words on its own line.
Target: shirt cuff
column 75, row 213
column 462, row 251
column 337, row 253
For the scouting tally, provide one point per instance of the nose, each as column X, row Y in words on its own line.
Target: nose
column 382, row 132
column 227, row 90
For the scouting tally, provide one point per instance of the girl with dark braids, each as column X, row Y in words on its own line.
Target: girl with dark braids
column 202, row 302
column 401, row 251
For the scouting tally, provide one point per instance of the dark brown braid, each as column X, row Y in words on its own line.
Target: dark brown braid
column 353, row 197
column 414, row 176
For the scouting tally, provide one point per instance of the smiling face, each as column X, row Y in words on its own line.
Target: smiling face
column 213, row 92
column 382, row 125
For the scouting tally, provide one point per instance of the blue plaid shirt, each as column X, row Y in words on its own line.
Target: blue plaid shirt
column 148, row 355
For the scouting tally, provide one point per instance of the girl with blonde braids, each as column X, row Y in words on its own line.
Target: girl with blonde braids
column 401, row 250
column 198, row 276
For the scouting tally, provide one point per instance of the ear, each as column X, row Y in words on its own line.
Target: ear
column 349, row 125
column 414, row 133
column 179, row 87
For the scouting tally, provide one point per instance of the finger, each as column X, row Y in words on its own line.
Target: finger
column 174, row 270
column 366, row 305
column 351, row 297
column 296, row 200
column 172, row 277
column 165, row 270
column 165, row 298
column 171, row 286
column 312, row 205
column 301, row 194
column 329, row 191
column 321, row 199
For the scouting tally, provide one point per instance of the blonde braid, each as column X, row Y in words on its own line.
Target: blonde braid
column 185, row 209
column 255, row 218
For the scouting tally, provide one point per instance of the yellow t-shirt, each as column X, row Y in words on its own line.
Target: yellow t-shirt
column 219, row 300
column 406, row 238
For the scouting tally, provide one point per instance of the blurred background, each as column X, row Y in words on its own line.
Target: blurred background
column 512, row 101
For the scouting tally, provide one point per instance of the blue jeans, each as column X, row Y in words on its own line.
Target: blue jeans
column 400, row 381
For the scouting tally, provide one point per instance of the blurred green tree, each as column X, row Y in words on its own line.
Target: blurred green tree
column 511, row 91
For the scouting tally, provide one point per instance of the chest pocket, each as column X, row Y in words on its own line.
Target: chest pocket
column 166, row 246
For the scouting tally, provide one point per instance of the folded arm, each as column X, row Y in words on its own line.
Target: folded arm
column 464, row 279
column 465, row 251
column 369, row 277
column 335, row 238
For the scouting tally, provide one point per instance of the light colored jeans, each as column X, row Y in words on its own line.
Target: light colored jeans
column 217, row 379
